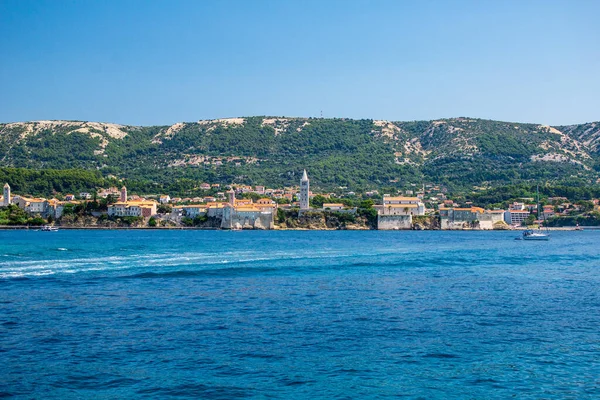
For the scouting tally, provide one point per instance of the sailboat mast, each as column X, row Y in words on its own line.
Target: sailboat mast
column 538, row 201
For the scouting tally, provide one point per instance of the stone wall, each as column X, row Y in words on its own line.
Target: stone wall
column 246, row 220
column 394, row 222
column 448, row 224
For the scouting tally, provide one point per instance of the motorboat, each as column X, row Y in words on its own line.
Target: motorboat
column 530, row 234
column 48, row 228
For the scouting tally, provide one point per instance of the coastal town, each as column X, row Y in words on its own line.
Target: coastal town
column 257, row 207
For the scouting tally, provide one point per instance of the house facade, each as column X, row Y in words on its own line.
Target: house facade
column 516, row 217
column 397, row 212
column 135, row 208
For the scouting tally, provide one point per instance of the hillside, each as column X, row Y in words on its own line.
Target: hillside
column 358, row 154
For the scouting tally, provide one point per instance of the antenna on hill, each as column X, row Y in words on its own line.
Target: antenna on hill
column 321, row 113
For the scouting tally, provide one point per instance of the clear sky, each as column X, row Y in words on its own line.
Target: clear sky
column 160, row 62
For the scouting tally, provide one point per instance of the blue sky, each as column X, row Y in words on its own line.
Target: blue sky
column 161, row 62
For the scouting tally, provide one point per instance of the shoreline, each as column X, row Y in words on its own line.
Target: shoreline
column 187, row 228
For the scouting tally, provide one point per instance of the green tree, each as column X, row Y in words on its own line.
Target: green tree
column 36, row 221
column 529, row 221
column 318, row 201
column 164, row 209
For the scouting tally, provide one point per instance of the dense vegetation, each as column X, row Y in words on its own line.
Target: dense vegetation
column 48, row 181
column 502, row 195
column 13, row 215
column 590, row 219
column 354, row 154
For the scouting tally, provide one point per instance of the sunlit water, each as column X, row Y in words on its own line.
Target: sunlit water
column 213, row 314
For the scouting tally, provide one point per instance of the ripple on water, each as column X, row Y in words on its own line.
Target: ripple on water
column 299, row 315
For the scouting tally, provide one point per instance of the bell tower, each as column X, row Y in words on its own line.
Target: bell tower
column 6, row 194
column 304, row 190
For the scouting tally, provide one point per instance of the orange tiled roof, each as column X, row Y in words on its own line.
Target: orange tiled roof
column 401, row 198
column 246, row 208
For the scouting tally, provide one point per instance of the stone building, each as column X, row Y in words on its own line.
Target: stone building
column 6, row 195
column 123, row 197
column 137, row 208
column 304, row 192
column 244, row 214
column 469, row 218
column 397, row 212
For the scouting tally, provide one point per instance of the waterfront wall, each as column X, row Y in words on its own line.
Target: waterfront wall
column 394, row 222
column 246, row 220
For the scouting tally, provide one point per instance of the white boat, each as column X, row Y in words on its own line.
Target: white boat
column 530, row 234
column 48, row 228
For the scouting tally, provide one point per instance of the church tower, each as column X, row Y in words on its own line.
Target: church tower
column 123, row 197
column 304, row 190
column 6, row 194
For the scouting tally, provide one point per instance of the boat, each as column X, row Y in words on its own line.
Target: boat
column 578, row 228
column 530, row 234
column 48, row 228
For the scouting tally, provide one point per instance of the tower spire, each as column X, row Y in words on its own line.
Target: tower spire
column 304, row 192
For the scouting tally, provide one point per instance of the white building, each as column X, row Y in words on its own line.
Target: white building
column 516, row 206
column 304, row 192
column 32, row 205
column 397, row 212
column 164, row 199
column 266, row 204
column 515, row 217
column 402, row 206
column 548, row 212
column 192, row 211
column 142, row 208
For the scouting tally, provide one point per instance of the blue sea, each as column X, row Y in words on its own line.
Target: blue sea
column 299, row 315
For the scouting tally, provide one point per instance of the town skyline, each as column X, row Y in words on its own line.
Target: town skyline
column 261, row 208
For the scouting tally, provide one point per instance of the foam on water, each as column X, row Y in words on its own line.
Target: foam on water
column 194, row 314
column 201, row 260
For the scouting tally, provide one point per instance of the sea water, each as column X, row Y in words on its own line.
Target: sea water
column 299, row 315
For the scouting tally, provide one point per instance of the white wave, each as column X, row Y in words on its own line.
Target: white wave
column 156, row 262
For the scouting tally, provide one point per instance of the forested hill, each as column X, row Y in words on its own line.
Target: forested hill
column 357, row 154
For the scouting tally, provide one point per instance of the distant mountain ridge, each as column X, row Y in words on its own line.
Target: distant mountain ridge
column 357, row 154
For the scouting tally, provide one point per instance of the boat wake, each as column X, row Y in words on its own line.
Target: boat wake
column 166, row 264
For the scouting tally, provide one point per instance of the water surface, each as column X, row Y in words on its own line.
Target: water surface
column 215, row 314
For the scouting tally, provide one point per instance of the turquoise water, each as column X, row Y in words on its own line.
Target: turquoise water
column 220, row 315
